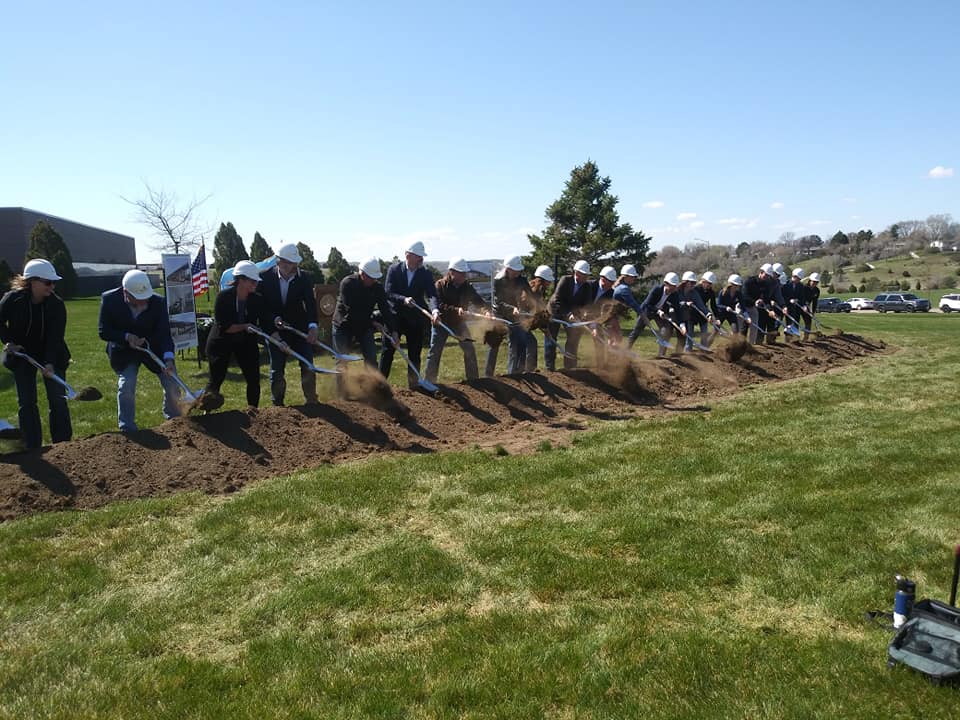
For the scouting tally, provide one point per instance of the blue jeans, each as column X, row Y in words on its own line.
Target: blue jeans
column 127, row 397
column 438, row 339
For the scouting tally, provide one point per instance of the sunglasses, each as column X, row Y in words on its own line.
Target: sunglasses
column 48, row 283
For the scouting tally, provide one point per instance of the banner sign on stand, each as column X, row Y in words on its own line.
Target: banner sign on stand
column 178, row 281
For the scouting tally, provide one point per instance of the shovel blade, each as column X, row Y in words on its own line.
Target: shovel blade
column 427, row 385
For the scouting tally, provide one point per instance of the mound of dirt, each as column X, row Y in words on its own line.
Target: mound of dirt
column 221, row 452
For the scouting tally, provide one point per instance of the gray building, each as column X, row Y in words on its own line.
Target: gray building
column 88, row 245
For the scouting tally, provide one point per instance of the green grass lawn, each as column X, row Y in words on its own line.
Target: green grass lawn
column 712, row 564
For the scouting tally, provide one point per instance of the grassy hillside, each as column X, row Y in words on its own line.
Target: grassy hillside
column 937, row 274
column 709, row 564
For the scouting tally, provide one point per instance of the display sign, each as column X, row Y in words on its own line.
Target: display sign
column 178, row 281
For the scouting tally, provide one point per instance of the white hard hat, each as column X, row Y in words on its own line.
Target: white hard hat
column 766, row 268
column 689, row 276
column 671, row 279
column 371, row 268
column 544, row 273
column 798, row 273
column 289, row 253
column 734, row 280
column 609, row 273
column 709, row 277
column 778, row 268
column 459, row 264
column 137, row 284
column 417, row 248
column 246, row 269
column 582, row 266
column 41, row 269
column 514, row 262
column 630, row 270
column 814, row 277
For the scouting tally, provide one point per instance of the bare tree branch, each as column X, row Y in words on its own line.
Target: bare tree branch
column 177, row 226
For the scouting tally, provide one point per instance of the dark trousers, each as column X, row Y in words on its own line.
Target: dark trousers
column 637, row 329
column 343, row 342
column 414, row 332
column 61, row 429
column 570, row 346
column 278, row 366
column 247, row 353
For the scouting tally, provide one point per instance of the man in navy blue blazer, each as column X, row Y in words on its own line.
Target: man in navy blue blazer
column 132, row 316
column 288, row 294
column 409, row 284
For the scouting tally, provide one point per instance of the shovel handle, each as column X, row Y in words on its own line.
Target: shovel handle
column 176, row 378
column 71, row 393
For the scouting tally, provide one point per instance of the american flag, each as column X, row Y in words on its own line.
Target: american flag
column 199, row 272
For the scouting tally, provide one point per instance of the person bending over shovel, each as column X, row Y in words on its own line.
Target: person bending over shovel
column 237, row 308
column 288, row 294
column 455, row 296
column 408, row 285
column 33, row 320
column 359, row 294
column 132, row 316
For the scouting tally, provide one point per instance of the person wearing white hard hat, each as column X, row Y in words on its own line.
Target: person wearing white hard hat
column 692, row 308
column 133, row 316
column 571, row 295
column 537, row 306
column 781, row 273
column 360, row 293
column 410, row 289
column 623, row 294
column 794, row 298
column 605, row 311
column 288, row 294
column 812, row 297
column 663, row 305
column 510, row 290
column 238, row 308
column 729, row 304
column 707, row 293
column 760, row 295
column 33, row 321
column 455, row 297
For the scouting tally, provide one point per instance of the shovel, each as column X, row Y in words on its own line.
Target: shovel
column 85, row 394
column 421, row 380
column 494, row 318
column 718, row 328
column 9, row 432
column 565, row 323
column 547, row 334
column 790, row 326
column 252, row 329
column 816, row 321
column 193, row 398
column 337, row 356
column 693, row 342
column 450, row 332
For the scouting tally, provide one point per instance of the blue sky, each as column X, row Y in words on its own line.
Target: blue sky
column 368, row 125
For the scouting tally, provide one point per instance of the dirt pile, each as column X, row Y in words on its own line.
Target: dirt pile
column 221, row 452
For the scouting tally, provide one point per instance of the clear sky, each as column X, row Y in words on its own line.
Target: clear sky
column 366, row 125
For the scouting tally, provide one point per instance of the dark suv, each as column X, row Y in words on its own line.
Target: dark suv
column 900, row 302
column 832, row 305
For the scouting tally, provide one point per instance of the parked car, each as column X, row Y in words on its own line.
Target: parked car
column 950, row 303
column 832, row 305
column 900, row 302
column 861, row 303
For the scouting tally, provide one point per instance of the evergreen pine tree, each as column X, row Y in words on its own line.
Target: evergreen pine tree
column 228, row 248
column 584, row 223
column 309, row 263
column 259, row 249
column 337, row 266
column 47, row 244
column 6, row 275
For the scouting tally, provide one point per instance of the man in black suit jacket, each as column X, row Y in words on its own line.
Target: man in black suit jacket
column 131, row 316
column 409, row 284
column 569, row 298
column 288, row 295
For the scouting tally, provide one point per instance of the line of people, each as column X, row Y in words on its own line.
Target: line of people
column 408, row 303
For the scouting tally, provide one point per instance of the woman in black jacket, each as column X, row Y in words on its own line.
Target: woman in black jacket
column 33, row 320
column 237, row 308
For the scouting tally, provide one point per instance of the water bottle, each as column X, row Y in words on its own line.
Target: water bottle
column 903, row 600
